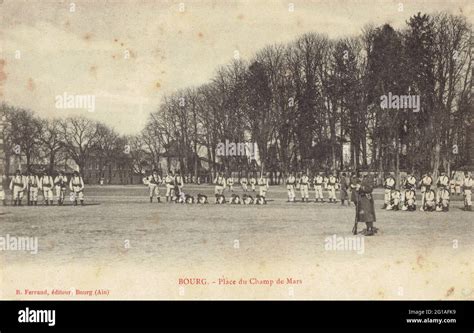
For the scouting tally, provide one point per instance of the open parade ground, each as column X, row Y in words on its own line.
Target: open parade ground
column 121, row 246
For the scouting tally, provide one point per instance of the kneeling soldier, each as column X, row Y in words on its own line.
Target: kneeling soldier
column 219, row 184
column 410, row 201
column 430, row 201
column 76, row 185
column 443, row 201
column 18, row 186
column 394, row 200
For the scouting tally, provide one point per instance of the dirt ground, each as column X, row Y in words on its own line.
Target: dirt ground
column 119, row 246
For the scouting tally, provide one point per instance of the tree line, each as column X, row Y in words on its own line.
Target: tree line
column 305, row 104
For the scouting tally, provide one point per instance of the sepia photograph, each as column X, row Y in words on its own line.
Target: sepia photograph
column 236, row 150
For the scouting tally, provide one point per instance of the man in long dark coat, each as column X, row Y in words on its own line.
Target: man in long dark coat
column 365, row 209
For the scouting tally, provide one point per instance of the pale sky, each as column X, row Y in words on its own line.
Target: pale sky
column 48, row 50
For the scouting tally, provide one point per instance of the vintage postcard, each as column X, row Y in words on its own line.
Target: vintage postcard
column 236, row 149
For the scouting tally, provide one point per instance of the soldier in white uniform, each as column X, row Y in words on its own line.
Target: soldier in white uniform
column 430, row 201
column 318, row 187
column 219, row 182
column 331, row 185
column 467, row 189
column 410, row 201
column 409, row 185
column 290, row 186
column 153, row 181
column 3, row 187
column 169, row 182
column 60, row 182
column 425, row 186
column 263, row 187
column 33, row 187
column 17, row 186
column 442, row 184
column 244, row 183
column 46, row 186
column 394, row 200
column 458, row 185
column 253, row 182
column 304, row 184
column 230, row 183
column 76, row 185
column 389, row 185
column 443, row 200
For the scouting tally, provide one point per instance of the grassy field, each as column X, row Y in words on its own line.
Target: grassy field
column 122, row 243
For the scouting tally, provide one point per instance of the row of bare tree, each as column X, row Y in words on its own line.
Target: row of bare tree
column 301, row 103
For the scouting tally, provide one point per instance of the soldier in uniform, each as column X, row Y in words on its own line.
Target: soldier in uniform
column 33, row 185
column 365, row 211
column 442, row 184
column 219, row 184
column 290, row 186
column 467, row 189
column 60, row 181
column 458, row 185
column 409, row 185
column 344, row 186
column 425, row 186
column 443, row 201
column 263, row 187
column 153, row 181
column 304, row 184
column 253, row 182
column 235, row 199
column 389, row 185
column 202, row 199
column 169, row 182
column 247, row 199
column 331, row 185
column 3, row 188
column 76, row 185
column 46, row 186
column 230, row 183
column 17, row 186
column 394, row 200
column 430, row 201
column 318, row 187
column 409, row 202
column 243, row 183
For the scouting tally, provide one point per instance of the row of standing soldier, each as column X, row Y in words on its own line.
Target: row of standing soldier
column 32, row 185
